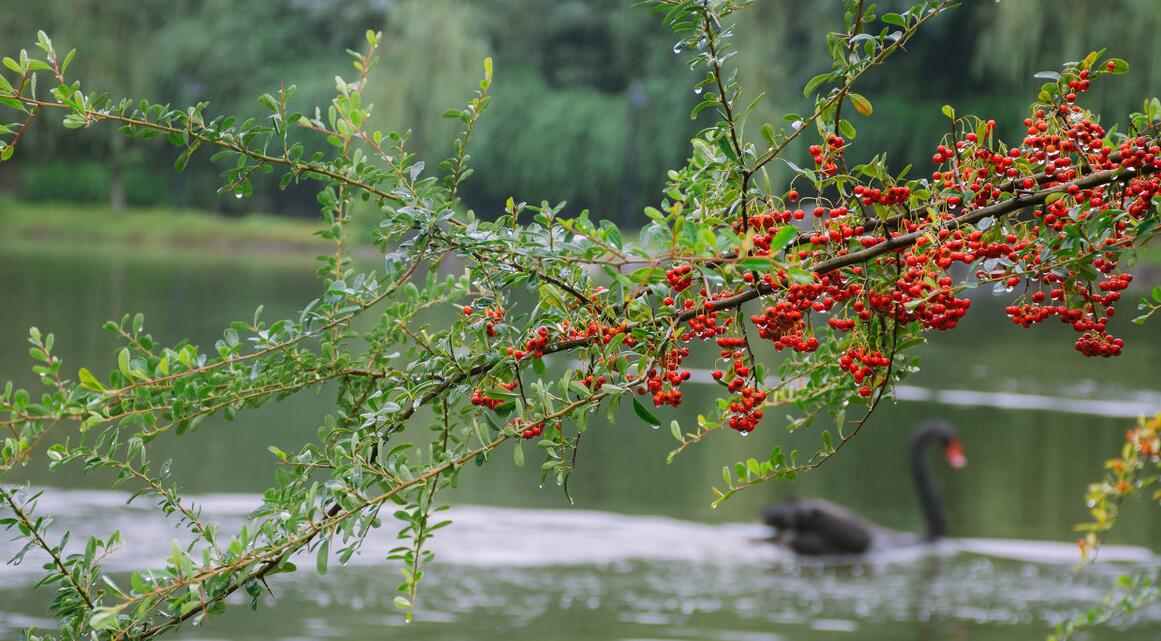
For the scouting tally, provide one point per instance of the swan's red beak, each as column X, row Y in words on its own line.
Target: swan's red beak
column 955, row 457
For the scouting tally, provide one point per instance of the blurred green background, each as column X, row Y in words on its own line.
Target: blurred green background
column 591, row 103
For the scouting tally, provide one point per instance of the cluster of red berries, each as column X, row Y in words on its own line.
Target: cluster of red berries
column 1060, row 139
column 679, row 277
column 534, row 346
column 596, row 332
column 733, row 348
column 890, row 196
column 841, row 324
column 942, row 155
column 835, row 234
column 483, row 400
column 861, row 363
column 527, row 432
column 729, row 344
column 594, row 382
column 1099, row 344
column 1115, row 283
column 1138, row 153
column 918, row 295
column 783, row 323
column 493, row 315
column 1142, row 192
column 1095, row 340
column 705, row 326
column 662, row 383
column 745, row 412
column 825, row 157
column 765, row 226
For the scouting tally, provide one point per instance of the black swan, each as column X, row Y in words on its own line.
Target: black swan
column 817, row 527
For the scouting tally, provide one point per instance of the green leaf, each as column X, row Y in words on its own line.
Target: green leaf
column 753, row 467
column 103, row 619
column 1119, row 66
column 727, row 148
column 847, row 129
column 123, row 362
column 776, row 455
column 948, row 111
column 783, row 238
column 90, row 382
column 862, row 105
column 895, row 19
column 518, row 454
column 768, row 133
column 268, row 101
column 182, row 160
column 800, row 276
column 644, row 414
column 324, row 550
column 68, row 59
column 814, row 82
column 675, row 429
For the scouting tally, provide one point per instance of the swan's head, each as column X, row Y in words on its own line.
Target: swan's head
column 945, row 435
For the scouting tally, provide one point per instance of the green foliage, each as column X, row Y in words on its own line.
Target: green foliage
column 88, row 182
column 562, row 63
column 622, row 142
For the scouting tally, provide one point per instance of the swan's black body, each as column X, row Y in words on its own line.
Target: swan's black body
column 816, row 527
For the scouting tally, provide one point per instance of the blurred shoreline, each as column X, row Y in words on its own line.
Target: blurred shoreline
column 27, row 227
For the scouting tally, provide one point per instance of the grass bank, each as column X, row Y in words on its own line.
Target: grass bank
column 64, row 225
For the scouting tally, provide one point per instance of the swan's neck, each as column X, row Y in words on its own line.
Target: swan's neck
column 936, row 525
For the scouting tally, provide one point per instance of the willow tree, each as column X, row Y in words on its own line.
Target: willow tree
column 830, row 282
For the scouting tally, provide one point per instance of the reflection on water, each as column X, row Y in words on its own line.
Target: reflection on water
column 1037, row 422
column 508, row 573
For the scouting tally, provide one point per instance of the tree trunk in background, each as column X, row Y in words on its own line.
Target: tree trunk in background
column 116, row 174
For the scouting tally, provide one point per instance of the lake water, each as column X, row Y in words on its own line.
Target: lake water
column 640, row 555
